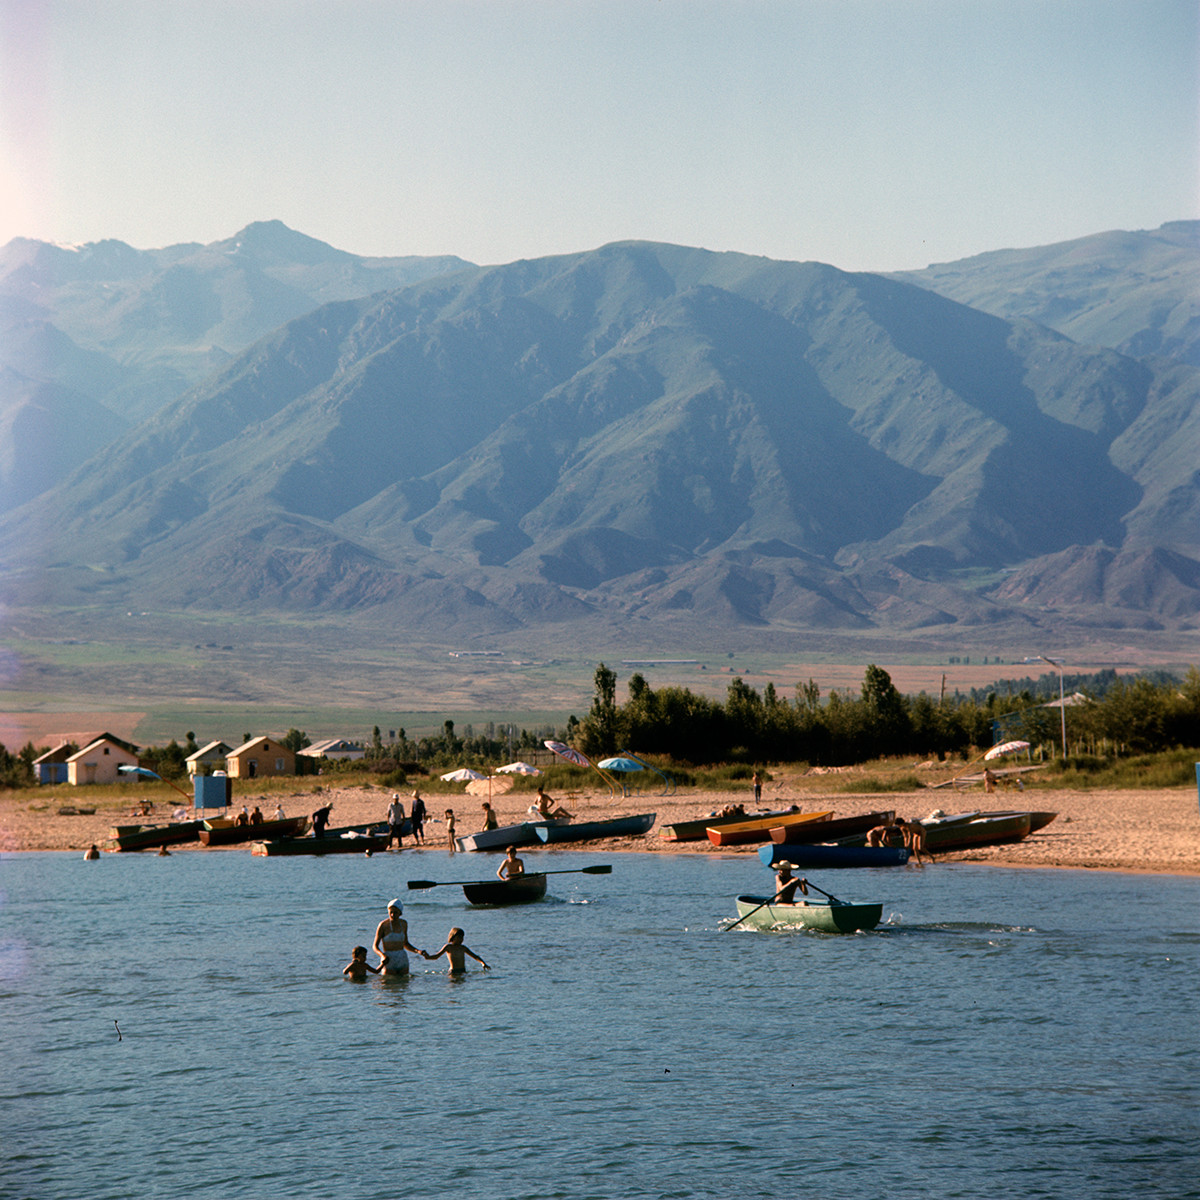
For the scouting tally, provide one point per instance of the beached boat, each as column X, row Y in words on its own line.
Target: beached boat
column 832, row 855
column 522, row 834
column 979, row 829
column 830, row 831
column 148, row 837
column 697, row 830
column 524, row 889
column 586, row 831
column 349, row 839
column 841, row 917
column 223, row 832
column 758, row 829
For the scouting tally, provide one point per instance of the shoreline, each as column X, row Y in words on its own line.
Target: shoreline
column 1150, row 831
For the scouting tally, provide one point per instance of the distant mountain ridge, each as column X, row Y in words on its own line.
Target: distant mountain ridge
column 646, row 433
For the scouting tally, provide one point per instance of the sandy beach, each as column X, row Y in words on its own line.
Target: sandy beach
column 1120, row 830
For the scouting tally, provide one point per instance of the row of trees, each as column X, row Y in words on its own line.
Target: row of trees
column 1132, row 716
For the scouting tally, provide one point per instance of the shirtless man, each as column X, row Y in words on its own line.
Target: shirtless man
column 786, row 884
column 512, row 866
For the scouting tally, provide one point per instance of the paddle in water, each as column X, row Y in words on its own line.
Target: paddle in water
column 422, row 884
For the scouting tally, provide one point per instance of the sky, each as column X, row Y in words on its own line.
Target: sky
column 869, row 134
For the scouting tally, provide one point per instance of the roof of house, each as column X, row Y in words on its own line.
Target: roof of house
column 327, row 744
column 216, row 749
column 257, row 743
column 100, row 741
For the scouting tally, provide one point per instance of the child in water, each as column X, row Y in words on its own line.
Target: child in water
column 457, row 953
column 358, row 966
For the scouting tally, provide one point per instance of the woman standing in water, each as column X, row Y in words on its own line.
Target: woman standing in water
column 391, row 941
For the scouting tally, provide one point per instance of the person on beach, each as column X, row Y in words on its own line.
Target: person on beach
column 92, row 854
column 786, row 884
column 256, row 817
column 358, row 966
column 889, row 833
column 395, row 820
column 489, row 818
column 913, row 833
column 512, row 866
column 757, row 781
column 320, row 819
column 457, row 953
column 989, row 780
column 391, row 941
column 450, row 829
column 418, row 817
column 546, row 807
column 280, row 815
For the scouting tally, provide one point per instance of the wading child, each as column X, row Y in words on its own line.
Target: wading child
column 358, row 966
column 457, row 953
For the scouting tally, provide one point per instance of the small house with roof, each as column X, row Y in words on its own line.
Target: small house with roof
column 208, row 758
column 98, row 761
column 334, row 748
column 260, row 758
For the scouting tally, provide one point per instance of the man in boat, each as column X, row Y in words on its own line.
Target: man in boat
column 320, row 819
column 512, row 866
column 786, row 884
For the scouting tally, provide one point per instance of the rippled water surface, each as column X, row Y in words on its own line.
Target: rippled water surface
column 1005, row 1033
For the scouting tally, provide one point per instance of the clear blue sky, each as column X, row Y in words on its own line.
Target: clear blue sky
column 871, row 134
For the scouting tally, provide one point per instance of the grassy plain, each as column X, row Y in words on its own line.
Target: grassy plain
column 154, row 676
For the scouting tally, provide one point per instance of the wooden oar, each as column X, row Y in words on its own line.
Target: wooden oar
column 422, row 884
column 832, row 899
column 755, row 909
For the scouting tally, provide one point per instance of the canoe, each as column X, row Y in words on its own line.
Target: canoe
column 586, row 831
column 831, row 855
column 826, row 918
column 522, row 834
column 982, row 830
column 758, row 829
column 222, row 833
column 697, row 831
column 146, row 837
column 829, row 831
column 349, row 839
column 522, row 890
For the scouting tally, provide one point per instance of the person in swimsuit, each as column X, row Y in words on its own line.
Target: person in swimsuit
column 450, row 829
column 457, row 953
column 489, row 818
column 358, row 966
column 391, row 941
column 512, row 867
column 546, row 806
column 93, row 853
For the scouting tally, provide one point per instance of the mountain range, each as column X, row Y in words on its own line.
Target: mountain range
column 642, row 435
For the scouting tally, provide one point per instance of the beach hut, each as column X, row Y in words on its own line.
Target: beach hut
column 260, row 758
column 99, row 760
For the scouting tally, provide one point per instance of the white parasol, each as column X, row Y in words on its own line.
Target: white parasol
column 1006, row 748
column 462, row 775
column 518, row 768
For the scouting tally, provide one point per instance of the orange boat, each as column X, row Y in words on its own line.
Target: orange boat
column 759, row 828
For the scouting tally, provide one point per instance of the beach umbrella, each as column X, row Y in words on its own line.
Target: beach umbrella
column 492, row 785
column 146, row 773
column 568, row 754
column 518, row 768
column 462, row 775
column 1006, row 748
column 619, row 764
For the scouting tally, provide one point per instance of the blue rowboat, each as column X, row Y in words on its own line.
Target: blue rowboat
column 823, row 855
column 587, row 831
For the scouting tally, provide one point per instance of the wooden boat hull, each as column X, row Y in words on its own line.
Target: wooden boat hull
column 351, row 839
column 523, row 834
column 832, row 856
column 148, row 837
column 825, row 918
column 228, row 835
column 525, row 889
column 828, row 831
column 982, row 830
column 759, row 828
column 697, row 831
column 586, row 831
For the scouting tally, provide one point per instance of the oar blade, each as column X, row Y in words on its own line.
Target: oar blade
column 604, row 869
column 421, row 884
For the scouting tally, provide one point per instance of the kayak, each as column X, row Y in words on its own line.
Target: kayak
column 823, row 917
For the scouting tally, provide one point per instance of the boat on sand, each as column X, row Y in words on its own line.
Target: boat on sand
column 586, row 831
column 758, row 829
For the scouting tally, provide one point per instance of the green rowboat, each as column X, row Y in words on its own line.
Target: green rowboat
column 824, row 918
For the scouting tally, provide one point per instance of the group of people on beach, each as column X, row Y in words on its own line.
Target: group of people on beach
column 908, row 834
column 393, row 947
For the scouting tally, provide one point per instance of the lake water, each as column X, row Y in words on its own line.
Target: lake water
column 1004, row 1033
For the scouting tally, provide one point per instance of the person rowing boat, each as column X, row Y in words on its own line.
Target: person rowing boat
column 786, row 884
